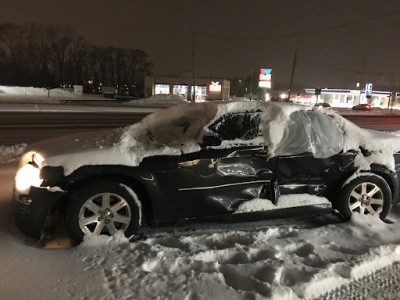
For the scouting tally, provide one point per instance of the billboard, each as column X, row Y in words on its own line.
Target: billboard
column 215, row 86
column 264, row 84
column 368, row 90
column 265, row 75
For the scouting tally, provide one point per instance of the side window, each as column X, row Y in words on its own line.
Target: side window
column 244, row 126
column 310, row 131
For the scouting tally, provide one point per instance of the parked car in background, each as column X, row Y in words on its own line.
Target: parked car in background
column 203, row 162
column 323, row 104
column 365, row 106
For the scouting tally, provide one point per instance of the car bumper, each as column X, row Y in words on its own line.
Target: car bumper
column 31, row 211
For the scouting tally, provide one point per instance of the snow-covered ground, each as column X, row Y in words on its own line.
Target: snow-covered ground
column 318, row 257
column 35, row 98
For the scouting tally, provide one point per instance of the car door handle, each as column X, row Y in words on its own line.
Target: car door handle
column 260, row 155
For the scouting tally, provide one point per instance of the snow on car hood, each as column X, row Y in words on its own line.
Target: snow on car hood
column 287, row 129
column 170, row 131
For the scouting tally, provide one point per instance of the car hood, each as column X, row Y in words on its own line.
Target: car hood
column 78, row 142
column 167, row 132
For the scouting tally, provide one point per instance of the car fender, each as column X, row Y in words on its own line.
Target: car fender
column 157, row 188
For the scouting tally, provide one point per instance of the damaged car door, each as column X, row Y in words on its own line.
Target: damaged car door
column 217, row 179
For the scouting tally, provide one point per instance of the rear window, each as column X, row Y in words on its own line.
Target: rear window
column 310, row 131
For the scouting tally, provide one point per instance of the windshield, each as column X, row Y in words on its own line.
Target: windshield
column 239, row 125
column 180, row 123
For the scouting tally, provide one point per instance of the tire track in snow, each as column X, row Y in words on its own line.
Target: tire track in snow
column 383, row 284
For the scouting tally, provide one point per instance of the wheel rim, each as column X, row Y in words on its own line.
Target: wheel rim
column 104, row 213
column 366, row 198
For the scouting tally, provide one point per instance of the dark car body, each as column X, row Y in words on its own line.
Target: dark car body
column 323, row 104
column 366, row 107
column 211, row 182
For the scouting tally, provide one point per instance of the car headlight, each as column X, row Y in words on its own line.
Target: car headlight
column 29, row 174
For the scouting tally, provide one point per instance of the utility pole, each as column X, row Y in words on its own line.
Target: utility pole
column 193, row 96
column 291, row 77
column 392, row 97
column 251, row 84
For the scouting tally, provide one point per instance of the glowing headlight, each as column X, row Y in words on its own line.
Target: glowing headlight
column 28, row 175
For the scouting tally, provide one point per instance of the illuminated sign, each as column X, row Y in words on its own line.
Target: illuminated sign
column 215, row 86
column 265, row 75
column 264, row 84
column 368, row 90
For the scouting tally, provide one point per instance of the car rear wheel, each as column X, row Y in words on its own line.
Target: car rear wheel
column 103, row 208
column 367, row 194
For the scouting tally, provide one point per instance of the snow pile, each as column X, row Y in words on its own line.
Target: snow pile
column 169, row 98
column 34, row 91
column 284, row 262
column 278, row 263
column 9, row 153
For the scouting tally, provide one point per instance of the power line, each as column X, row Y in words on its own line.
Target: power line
column 272, row 37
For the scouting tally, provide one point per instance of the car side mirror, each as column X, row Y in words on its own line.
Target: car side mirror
column 211, row 140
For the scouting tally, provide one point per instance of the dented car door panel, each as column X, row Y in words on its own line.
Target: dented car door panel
column 217, row 181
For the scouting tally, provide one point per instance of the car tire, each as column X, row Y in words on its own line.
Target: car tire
column 103, row 208
column 368, row 194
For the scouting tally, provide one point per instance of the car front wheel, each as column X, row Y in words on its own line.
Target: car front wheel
column 367, row 194
column 103, row 208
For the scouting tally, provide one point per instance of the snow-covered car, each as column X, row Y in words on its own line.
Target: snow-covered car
column 202, row 162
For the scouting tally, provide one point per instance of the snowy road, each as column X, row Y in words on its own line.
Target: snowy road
column 31, row 123
column 20, row 126
column 381, row 123
column 30, row 127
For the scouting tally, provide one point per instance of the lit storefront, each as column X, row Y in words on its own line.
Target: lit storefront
column 345, row 98
column 160, row 88
column 181, row 90
column 205, row 89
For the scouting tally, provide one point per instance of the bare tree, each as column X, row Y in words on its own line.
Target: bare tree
column 78, row 56
column 40, row 55
column 60, row 39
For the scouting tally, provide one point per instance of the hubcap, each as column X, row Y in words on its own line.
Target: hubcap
column 104, row 213
column 366, row 198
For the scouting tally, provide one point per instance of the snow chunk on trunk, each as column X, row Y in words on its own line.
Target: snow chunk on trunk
column 380, row 145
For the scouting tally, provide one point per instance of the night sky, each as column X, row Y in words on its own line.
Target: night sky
column 326, row 58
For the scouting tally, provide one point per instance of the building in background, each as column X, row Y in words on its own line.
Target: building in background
column 345, row 97
column 206, row 89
